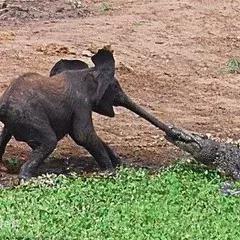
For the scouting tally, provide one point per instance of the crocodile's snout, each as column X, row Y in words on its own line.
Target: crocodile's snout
column 177, row 134
column 187, row 141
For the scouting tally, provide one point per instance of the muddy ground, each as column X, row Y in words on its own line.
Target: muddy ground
column 171, row 58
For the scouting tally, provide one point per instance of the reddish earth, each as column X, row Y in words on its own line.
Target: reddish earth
column 171, row 58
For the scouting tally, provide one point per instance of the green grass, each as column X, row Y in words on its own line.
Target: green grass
column 233, row 65
column 182, row 202
column 105, row 7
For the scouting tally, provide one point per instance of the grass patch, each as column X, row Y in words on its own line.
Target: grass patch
column 105, row 7
column 139, row 23
column 182, row 202
column 233, row 65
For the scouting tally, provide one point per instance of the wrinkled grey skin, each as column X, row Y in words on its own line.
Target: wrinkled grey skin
column 67, row 65
column 221, row 156
column 41, row 110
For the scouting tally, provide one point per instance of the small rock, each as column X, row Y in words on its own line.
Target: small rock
column 60, row 10
column 209, row 135
column 159, row 42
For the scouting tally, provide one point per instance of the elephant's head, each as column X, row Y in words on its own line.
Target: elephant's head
column 108, row 91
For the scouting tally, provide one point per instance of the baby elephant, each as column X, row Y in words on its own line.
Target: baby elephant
column 41, row 110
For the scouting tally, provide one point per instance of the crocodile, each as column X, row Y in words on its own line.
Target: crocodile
column 224, row 157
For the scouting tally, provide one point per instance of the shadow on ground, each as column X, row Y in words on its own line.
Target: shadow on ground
column 80, row 165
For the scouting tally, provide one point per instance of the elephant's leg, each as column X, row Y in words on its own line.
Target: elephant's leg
column 116, row 161
column 44, row 141
column 4, row 139
column 83, row 134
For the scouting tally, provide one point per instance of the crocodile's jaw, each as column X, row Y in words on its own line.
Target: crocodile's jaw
column 195, row 144
column 200, row 147
column 191, row 147
column 185, row 140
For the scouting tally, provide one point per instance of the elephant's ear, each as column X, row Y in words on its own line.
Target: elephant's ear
column 104, row 109
column 105, row 69
column 65, row 65
column 105, row 106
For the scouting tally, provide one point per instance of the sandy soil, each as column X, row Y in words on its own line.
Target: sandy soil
column 171, row 58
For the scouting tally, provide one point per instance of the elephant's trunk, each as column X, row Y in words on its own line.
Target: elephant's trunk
column 126, row 102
